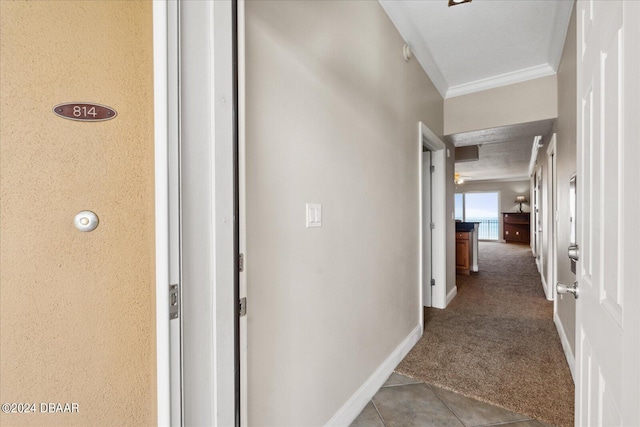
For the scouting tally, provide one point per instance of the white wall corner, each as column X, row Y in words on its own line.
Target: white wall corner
column 547, row 291
column 559, row 35
column 356, row 403
column 400, row 19
column 451, row 295
column 568, row 354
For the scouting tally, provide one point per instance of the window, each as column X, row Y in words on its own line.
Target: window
column 459, row 207
column 482, row 208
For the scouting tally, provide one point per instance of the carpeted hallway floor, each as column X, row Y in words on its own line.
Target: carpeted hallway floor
column 496, row 341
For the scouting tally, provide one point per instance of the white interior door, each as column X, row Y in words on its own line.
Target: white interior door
column 427, row 239
column 607, row 314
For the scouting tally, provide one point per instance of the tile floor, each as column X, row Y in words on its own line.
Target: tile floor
column 405, row 402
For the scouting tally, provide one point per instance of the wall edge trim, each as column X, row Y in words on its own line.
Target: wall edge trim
column 160, row 95
column 451, row 295
column 356, row 403
column 564, row 340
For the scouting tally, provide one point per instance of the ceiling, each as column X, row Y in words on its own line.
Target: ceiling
column 504, row 152
column 482, row 45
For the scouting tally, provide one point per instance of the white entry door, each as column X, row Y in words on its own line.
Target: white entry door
column 608, row 307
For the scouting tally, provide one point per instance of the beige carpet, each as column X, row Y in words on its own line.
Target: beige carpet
column 496, row 341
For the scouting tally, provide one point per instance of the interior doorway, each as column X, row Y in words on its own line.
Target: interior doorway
column 427, row 241
column 432, row 197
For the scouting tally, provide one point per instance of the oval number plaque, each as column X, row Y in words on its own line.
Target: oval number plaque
column 84, row 112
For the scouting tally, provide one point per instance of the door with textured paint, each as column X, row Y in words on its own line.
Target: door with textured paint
column 607, row 310
column 77, row 308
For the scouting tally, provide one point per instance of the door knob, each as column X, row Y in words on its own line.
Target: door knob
column 561, row 288
column 574, row 252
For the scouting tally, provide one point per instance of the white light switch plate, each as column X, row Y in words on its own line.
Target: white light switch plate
column 314, row 215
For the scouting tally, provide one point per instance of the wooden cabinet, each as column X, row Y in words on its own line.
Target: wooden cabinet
column 464, row 251
column 516, row 227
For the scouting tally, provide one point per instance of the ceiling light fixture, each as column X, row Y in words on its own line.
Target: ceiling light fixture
column 457, row 2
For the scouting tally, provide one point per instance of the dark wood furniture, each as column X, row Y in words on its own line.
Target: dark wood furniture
column 516, row 227
column 464, row 251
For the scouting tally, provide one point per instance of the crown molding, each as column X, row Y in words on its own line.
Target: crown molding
column 501, row 80
column 560, row 29
column 400, row 19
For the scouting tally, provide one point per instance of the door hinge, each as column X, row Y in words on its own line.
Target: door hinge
column 433, row 282
column 243, row 307
column 433, row 169
column 174, row 301
column 433, row 225
column 241, row 263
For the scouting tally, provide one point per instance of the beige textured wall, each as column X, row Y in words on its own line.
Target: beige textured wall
column 77, row 309
column 332, row 116
column 508, row 192
column 566, row 160
column 507, row 105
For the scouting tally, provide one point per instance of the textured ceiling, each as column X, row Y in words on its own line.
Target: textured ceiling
column 482, row 44
column 499, row 161
column 502, row 134
column 504, row 152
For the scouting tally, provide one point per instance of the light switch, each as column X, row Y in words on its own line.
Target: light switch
column 314, row 215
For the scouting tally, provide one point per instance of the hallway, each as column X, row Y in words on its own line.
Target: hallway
column 405, row 402
column 496, row 341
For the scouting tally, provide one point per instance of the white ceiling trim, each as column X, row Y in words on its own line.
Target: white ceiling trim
column 558, row 38
column 400, row 18
column 501, row 80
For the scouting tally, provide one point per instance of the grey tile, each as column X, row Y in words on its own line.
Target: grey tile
column 475, row 413
column 369, row 417
column 399, row 379
column 413, row 405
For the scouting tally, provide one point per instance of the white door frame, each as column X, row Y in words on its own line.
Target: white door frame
column 426, row 203
column 552, row 221
column 208, row 223
column 437, row 147
column 161, row 108
column 242, row 196
column 539, row 220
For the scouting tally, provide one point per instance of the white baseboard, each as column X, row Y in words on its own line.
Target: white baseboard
column 352, row 408
column 452, row 294
column 568, row 354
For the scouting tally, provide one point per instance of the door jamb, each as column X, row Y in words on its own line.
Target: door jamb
column 552, row 217
column 160, row 94
column 424, row 223
column 208, row 216
column 437, row 147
